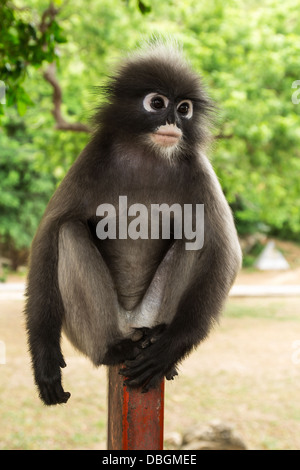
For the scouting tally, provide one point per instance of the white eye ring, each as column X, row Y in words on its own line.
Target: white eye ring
column 148, row 102
column 189, row 113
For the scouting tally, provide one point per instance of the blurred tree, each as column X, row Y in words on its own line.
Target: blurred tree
column 29, row 38
column 25, row 41
column 23, row 193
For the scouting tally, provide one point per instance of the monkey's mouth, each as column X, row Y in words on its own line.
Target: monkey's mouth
column 167, row 135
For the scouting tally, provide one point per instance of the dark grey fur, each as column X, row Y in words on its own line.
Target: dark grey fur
column 143, row 302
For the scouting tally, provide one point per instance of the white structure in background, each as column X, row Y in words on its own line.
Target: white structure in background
column 271, row 259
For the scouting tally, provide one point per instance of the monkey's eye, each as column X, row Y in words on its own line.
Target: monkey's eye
column 155, row 102
column 185, row 108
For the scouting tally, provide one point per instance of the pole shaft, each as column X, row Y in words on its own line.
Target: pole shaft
column 135, row 419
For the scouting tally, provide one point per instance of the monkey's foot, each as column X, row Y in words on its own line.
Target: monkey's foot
column 150, row 335
column 117, row 353
column 130, row 348
column 150, row 366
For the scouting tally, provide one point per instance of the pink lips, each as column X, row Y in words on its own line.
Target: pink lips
column 167, row 135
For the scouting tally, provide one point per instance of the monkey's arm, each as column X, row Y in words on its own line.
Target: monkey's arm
column 44, row 312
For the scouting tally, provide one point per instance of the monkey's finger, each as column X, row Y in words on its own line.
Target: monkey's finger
column 144, row 344
column 133, row 373
column 140, row 363
column 147, row 380
column 133, row 370
column 141, row 373
column 59, row 395
column 171, row 373
column 62, row 363
column 65, row 397
column 138, row 381
column 126, row 372
column 152, row 382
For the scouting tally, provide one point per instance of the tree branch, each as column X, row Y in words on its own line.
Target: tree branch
column 47, row 19
column 61, row 123
column 224, row 136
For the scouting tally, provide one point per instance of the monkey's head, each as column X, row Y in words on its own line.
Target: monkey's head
column 156, row 99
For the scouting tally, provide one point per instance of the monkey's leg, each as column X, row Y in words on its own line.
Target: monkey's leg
column 197, row 288
column 169, row 282
column 91, row 319
column 160, row 302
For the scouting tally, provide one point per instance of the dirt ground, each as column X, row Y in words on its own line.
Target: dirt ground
column 246, row 374
column 243, row 374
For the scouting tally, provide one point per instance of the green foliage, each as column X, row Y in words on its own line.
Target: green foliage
column 23, row 42
column 142, row 6
column 247, row 52
column 25, row 189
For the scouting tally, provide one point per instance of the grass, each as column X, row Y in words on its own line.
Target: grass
column 242, row 375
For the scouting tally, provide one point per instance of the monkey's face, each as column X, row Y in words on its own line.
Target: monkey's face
column 158, row 101
column 163, row 121
column 172, row 114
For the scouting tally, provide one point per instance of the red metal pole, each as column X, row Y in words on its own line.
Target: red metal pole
column 135, row 419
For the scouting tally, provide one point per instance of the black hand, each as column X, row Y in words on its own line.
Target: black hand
column 150, row 366
column 48, row 380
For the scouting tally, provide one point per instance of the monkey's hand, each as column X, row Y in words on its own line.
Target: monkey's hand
column 48, row 380
column 129, row 348
column 154, row 362
column 120, row 352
